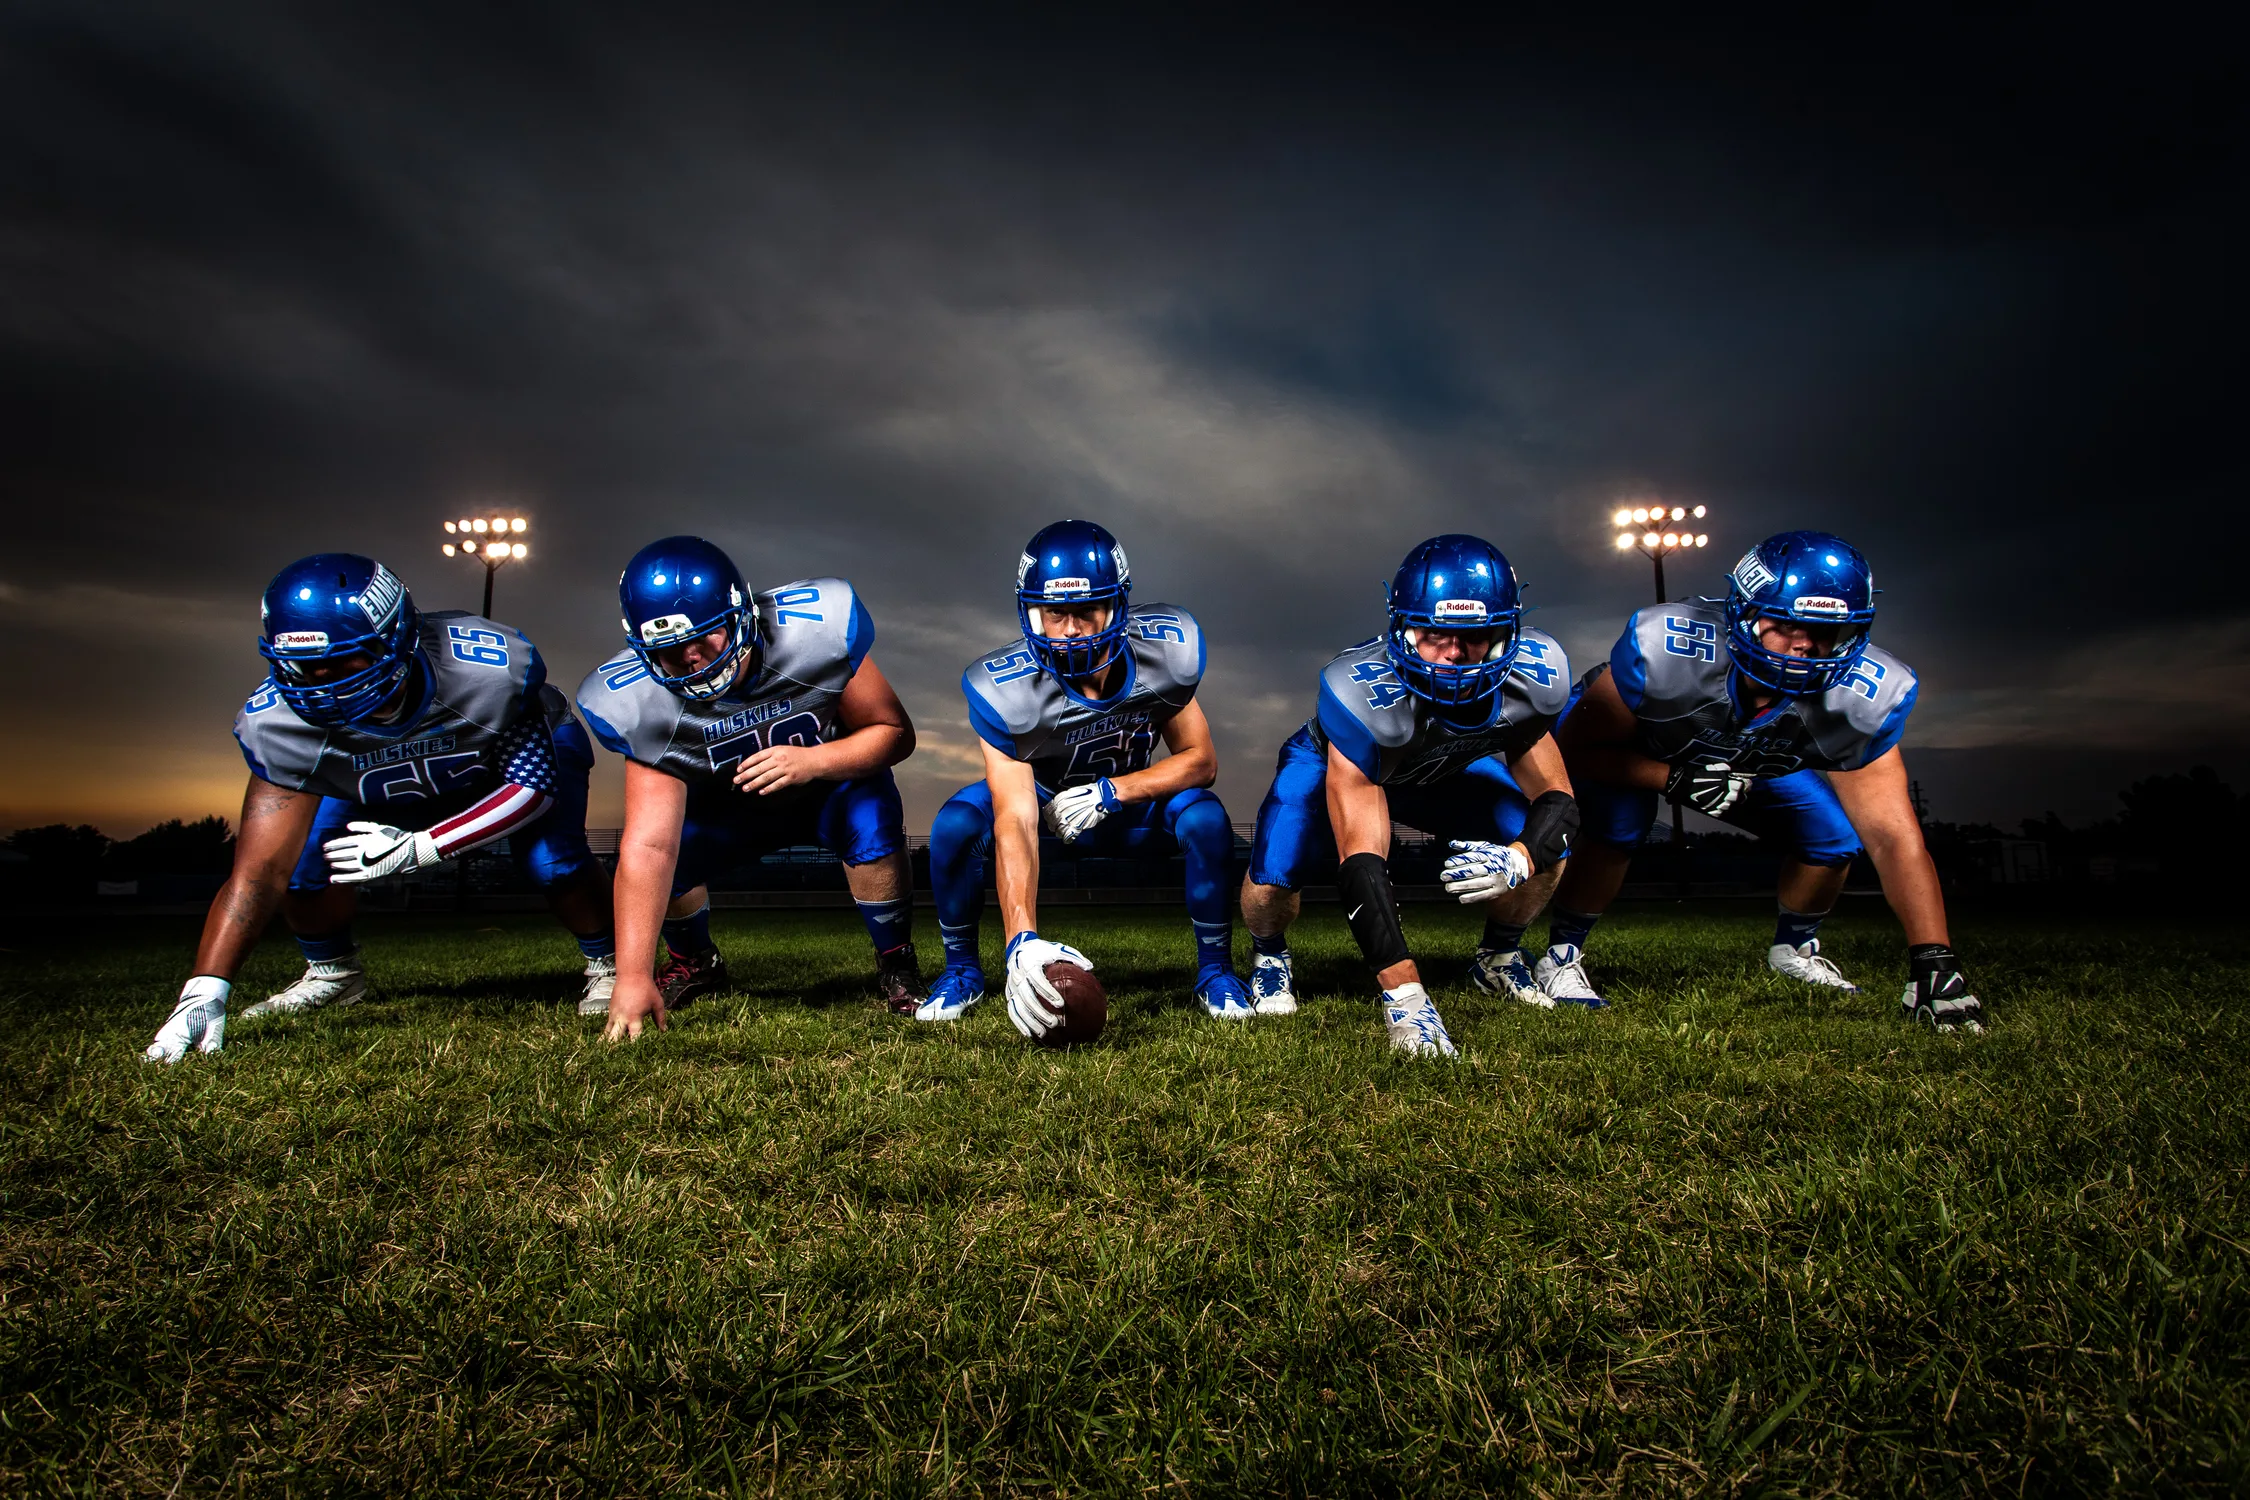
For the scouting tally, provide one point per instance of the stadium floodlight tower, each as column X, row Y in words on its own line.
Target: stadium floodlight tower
column 1656, row 530
column 493, row 542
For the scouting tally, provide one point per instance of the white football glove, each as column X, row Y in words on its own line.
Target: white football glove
column 1033, row 1003
column 372, row 850
column 1710, row 788
column 198, row 1020
column 1481, row 871
column 1070, row 814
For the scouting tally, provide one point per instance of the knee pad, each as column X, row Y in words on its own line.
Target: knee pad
column 1371, row 907
column 959, row 827
column 552, row 868
column 1549, row 828
column 1203, row 823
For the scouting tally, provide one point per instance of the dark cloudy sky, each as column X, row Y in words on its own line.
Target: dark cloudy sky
column 881, row 298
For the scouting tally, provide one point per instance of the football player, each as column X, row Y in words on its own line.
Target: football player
column 1769, row 710
column 1443, row 722
column 1069, row 715
column 748, row 723
column 386, row 739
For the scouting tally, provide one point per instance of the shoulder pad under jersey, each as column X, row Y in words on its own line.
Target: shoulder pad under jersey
column 1539, row 683
column 629, row 711
column 1672, row 658
column 816, row 633
column 1168, row 652
column 1364, row 708
column 481, row 671
column 1862, row 717
column 279, row 746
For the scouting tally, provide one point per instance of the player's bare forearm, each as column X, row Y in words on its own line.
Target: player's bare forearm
column 1877, row 800
column 1015, row 839
column 1910, row 884
column 1194, row 760
column 639, row 895
column 1539, row 769
column 863, row 752
column 271, row 837
column 1358, row 810
column 1016, row 872
column 1616, row 765
column 1596, row 742
column 647, row 853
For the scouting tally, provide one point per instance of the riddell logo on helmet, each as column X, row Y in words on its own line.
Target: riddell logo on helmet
column 1820, row 605
column 1468, row 611
column 665, row 629
column 1059, row 587
column 301, row 640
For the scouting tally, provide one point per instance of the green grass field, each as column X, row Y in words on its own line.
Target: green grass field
column 1728, row 1237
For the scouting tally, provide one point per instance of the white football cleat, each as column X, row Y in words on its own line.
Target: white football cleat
column 1562, row 976
column 601, row 983
column 333, row 981
column 1804, row 962
column 1272, row 987
column 1413, row 1023
column 1502, row 971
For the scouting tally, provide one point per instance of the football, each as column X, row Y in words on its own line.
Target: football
column 1085, row 1006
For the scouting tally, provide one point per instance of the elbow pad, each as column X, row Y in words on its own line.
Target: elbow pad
column 1370, row 906
column 1549, row 828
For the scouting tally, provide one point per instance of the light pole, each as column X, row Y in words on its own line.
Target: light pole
column 488, row 542
column 1655, row 530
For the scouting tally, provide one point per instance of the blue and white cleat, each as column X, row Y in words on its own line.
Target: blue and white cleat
column 1414, row 1024
column 1562, row 976
column 958, row 988
column 1502, row 971
column 1225, row 998
column 1272, row 989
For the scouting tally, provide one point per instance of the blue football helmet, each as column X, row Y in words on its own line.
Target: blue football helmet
column 679, row 589
column 1455, row 583
column 1073, row 562
column 328, row 610
column 1800, row 575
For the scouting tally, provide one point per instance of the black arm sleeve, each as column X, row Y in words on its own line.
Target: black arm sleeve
column 1549, row 827
column 1371, row 908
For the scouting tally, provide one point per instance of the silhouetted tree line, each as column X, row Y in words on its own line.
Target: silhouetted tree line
column 64, row 861
column 2192, row 824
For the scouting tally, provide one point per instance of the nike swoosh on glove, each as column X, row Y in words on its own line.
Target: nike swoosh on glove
column 369, row 851
column 1710, row 788
column 1034, row 1004
column 1070, row 814
column 198, row 1020
column 1482, row 870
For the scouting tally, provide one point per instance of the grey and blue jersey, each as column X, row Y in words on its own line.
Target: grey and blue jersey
column 1673, row 669
column 485, row 715
column 815, row 633
column 1397, row 738
column 1027, row 713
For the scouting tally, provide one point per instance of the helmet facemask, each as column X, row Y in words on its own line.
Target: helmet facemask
column 714, row 678
column 1808, row 579
column 355, row 696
